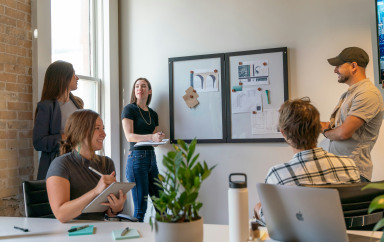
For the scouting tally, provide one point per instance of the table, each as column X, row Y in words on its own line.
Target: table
column 44, row 229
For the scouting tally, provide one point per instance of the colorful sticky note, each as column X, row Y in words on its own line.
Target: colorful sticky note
column 237, row 88
column 86, row 231
column 132, row 234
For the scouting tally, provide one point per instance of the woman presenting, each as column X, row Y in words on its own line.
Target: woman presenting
column 140, row 123
column 56, row 105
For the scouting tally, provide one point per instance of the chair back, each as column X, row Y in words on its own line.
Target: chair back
column 36, row 201
column 355, row 204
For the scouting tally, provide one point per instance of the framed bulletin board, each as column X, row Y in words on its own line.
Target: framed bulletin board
column 228, row 97
column 199, row 111
column 258, row 85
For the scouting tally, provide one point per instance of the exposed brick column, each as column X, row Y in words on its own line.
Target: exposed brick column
column 16, row 150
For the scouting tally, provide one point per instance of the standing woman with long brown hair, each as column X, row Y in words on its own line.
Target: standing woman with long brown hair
column 56, row 105
column 140, row 123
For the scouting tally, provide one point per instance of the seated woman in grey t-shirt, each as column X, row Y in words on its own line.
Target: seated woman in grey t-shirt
column 71, row 185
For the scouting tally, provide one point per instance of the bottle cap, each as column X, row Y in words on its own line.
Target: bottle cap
column 238, row 184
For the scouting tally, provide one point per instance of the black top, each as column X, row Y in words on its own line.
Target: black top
column 144, row 122
column 73, row 167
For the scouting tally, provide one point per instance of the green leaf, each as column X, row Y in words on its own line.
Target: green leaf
column 182, row 198
column 374, row 186
column 196, row 182
column 198, row 206
column 377, row 203
column 182, row 144
column 191, row 149
column 190, row 165
column 178, row 159
column 181, row 181
column 151, row 223
column 379, row 225
column 212, row 167
column 192, row 197
column 161, row 178
column 206, row 174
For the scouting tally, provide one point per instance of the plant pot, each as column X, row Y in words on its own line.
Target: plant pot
column 176, row 232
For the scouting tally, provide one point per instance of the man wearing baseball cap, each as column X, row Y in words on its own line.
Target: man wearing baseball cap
column 355, row 122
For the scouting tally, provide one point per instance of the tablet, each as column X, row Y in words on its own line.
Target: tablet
column 94, row 206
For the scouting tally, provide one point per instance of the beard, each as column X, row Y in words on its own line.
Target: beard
column 343, row 78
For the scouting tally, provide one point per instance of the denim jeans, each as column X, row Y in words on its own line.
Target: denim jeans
column 142, row 169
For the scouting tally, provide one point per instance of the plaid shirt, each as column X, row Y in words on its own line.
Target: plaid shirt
column 316, row 167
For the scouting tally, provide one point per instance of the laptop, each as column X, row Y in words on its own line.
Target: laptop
column 295, row 213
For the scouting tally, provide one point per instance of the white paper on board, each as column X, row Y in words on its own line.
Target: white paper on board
column 205, row 80
column 246, row 101
column 266, row 122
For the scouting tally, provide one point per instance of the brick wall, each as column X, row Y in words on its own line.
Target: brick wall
column 16, row 150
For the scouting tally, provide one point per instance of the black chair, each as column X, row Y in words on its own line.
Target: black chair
column 36, row 202
column 355, row 203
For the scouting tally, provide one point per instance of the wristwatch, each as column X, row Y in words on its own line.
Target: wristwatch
column 325, row 130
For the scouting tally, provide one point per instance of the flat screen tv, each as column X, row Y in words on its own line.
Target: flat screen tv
column 380, row 36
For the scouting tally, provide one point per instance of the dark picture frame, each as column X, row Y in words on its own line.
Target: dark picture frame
column 211, row 121
column 202, row 122
column 238, row 129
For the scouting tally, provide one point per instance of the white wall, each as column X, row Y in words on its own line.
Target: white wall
column 151, row 31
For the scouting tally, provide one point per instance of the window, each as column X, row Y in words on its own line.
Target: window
column 84, row 33
column 75, row 40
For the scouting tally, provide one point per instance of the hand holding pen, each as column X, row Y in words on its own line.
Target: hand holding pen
column 158, row 136
column 116, row 204
column 162, row 135
column 104, row 181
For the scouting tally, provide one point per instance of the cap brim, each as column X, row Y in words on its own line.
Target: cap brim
column 336, row 61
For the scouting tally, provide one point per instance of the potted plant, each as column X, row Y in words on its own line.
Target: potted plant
column 377, row 203
column 177, row 208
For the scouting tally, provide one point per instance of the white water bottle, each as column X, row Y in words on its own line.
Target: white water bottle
column 238, row 209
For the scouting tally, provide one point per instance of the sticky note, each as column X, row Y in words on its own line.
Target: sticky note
column 237, row 88
column 132, row 234
column 86, row 231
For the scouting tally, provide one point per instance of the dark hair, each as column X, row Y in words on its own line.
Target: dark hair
column 80, row 126
column 300, row 122
column 56, row 80
column 133, row 96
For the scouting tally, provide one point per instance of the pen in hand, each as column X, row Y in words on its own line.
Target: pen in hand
column 78, row 228
column 95, row 171
column 22, row 229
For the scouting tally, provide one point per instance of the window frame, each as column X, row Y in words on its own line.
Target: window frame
column 107, row 69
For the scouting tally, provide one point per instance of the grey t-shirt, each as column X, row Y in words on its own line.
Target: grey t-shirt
column 74, row 168
column 362, row 100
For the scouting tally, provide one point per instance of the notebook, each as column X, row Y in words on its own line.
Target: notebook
column 86, row 231
column 304, row 214
column 150, row 143
column 95, row 206
column 131, row 234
